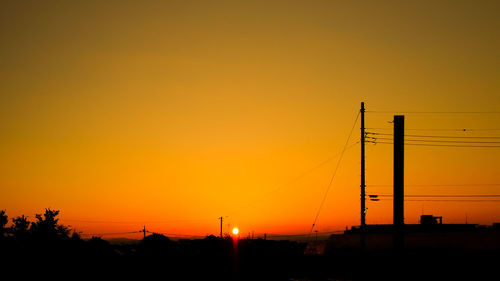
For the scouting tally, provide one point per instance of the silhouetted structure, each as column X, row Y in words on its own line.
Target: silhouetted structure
column 363, row 185
column 48, row 251
column 430, row 220
column 398, row 214
column 427, row 223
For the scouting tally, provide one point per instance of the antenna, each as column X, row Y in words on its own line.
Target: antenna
column 221, row 219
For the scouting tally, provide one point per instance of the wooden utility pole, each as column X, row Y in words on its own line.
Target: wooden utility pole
column 144, row 231
column 363, row 195
column 221, row 218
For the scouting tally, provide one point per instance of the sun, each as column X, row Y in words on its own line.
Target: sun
column 236, row 231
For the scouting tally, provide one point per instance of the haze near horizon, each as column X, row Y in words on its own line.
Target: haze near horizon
column 171, row 114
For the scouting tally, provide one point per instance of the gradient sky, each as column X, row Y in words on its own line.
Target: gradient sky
column 173, row 113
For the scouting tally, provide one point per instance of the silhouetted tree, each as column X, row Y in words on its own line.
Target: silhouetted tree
column 156, row 239
column 3, row 222
column 156, row 245
column 98, row 242
column 47, row 225
column 99, row 249
column 20, row 227
column 75, row 236
column 211, row 237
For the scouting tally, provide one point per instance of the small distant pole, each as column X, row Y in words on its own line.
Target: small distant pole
column 221, row 218
column 265, row 236
column 144, row 231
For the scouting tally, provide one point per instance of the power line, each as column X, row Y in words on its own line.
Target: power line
column 430, row 136
column 435, row 129
column 300, row 176
column 448, row 145
column 318, row 166
column 453, row 137
column 177, row 235
column 453, row 200
column 202, row 219
column 452, row 185
column 430, row 195
column 270, row 235
column 435, row 112
column 134, row 222
column 334, row 173
column 445, row 141
column 439, row 200
column 110, row 233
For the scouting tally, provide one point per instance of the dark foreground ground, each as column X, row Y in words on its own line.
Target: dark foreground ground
column 159, row 258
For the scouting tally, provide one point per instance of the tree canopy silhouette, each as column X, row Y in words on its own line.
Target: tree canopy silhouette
column 3, row 222
column 47, row 225
column 20, row 226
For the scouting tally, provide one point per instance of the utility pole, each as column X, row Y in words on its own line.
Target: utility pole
column 221, row 218
column 363, row 208
column 144, row 231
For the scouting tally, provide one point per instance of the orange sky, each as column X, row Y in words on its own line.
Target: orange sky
column 173, row 113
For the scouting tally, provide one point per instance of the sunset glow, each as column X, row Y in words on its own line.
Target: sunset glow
column 174, row 114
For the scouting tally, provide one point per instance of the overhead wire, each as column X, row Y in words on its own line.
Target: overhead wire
column 333, row 175
column 300, row 176
column 444, row 145
column 176, row 235
column 442, row 200
column 439, row 195
column 271, row 235
column 109, row 233
column 318, row 166
column 434, row 136
column 432, row 140
column 424, row 142
column 441, row 140
column 433, row 112
column 135, row 222
column 435, row 129
column 453, row 185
